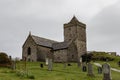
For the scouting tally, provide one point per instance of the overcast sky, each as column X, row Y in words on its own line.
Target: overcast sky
column 45, row 18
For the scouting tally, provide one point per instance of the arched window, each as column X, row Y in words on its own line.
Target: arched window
column 29, row 51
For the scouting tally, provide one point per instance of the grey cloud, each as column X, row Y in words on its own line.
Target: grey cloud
column 104, row 30
column 43, row 18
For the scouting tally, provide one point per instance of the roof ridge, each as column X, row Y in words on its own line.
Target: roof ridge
column 43, row 41
column 43, row 38
column 74, row 20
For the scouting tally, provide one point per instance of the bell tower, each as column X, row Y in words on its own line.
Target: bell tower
column 75, row 31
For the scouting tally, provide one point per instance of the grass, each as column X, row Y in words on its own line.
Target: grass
column 58, row 73
column 113, row 64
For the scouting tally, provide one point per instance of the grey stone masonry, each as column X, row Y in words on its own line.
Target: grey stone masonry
column 106, row 71
column 70, row 50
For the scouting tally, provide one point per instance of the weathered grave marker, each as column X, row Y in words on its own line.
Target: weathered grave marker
column 80, row 61
column 119, row 63
column 64, row 64
column 46, row 61
column 13, row 66
column 41, row 65
column 50, row 64
column 99, row 70
column 69, row 64
column 106, row 71
column 84, row 68
column 90, row 70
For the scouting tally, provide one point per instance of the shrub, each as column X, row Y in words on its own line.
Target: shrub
column 31, row 76
column 24, row 74
column 101, row 56
column 86, row 57
column 4, row 60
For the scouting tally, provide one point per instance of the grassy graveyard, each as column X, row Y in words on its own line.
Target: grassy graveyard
column 34, row 72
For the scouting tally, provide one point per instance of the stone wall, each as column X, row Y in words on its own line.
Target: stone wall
column 74, row 33
column 77, row 34
column 29, row 43
column 81, row 33
column 72, row 53
column 43, row 53
column 60, row 55
column 81, row 47
column 70, row 33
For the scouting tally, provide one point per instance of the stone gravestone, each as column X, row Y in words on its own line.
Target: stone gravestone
column 46, row 62
column 80, row 61
column 13, row 66
column 41, row 65
column 90, row 70
column 69, row 64
column 99, row 70
column 50, row 64
column 64, row 64
column 119, row 63
column 106, row 71
column 84, row 68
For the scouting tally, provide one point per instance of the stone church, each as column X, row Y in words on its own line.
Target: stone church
column 39, row 49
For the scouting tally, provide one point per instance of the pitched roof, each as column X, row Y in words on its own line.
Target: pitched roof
column 74, row 20
column 60, row 45
column 43, row 41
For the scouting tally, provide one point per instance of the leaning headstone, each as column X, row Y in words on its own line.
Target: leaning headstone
column 106, row 71
column 46, row 62
column 69, row 64
column 13, row 66
column 119, row 63
column 99, row 70
column 50, row 64
column 41, row 65
column 90, row 70
column 64, row 64
column 80, row 60
column 84, row 68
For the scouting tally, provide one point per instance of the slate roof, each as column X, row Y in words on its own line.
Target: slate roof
column 60, row 45
column 43, row 41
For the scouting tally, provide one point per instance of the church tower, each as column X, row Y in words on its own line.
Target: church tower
column 75, row 31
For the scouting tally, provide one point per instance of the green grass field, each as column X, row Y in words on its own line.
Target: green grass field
column 58, row 73
column 113, row 64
